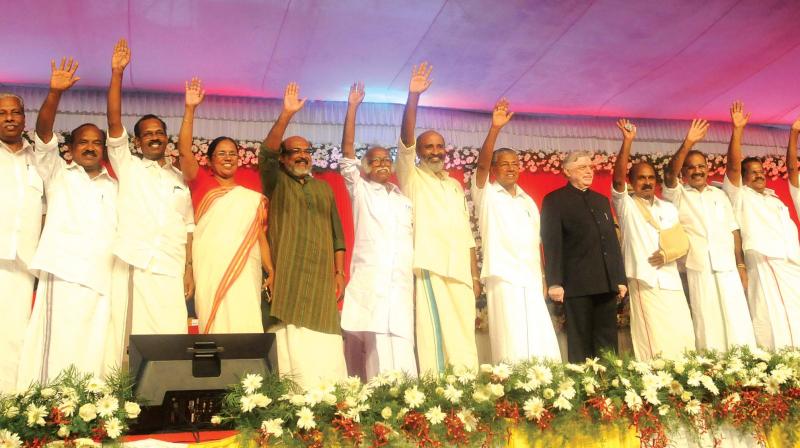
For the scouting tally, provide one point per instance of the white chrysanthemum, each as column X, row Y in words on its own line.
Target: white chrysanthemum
column 527, row 386
column 435, row 415
column 273, row 427
column 694, row 378
column 11, row 412
column 502, row 371
column 534, row 408
column 87, row 412
column 414, row 397
column 625, row 382
column 496, row 390
column 216, row 420
column 708, row 383
column 96, row 386
column 132, row 409
column 452, row 394
column 468, row 419
column 632, row 399
column 782, row 373
column 735, row 367
column 562, row 403
column 566, row 388
column 305, row 419
column 113, row 427
column 540, row 375
column 464, row 374
column 663, row 409
column 761, row 354
column 658, row 364
column 35, row 415
column 67, row 407
column 651, row 396
column 246, row 403
column 692, row 407
column 772, row 386
column 9, row 439
column 47, row 392
column 679, row 367
column 261, row 400
column 252, row 382
column 106, row 405
column 297, row 400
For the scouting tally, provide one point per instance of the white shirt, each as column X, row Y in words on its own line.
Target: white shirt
column 509, row 227
column 794, row 192
column 707, row 218
column 22, row 199
column 442, row 234
column 765, row 223
column 381, row 279
column 640, row 240
column 155, row 211
column 81, row 221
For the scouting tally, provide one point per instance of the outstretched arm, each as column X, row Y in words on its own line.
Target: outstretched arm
column 119, row 60
column 354, row 99
column 733, row 168
column 500, row 117
column 291, row 105
column 621, row 165
column 791, row 153
column 194, row 97
column 697, row 131
column 62, row 77
column 420, row 81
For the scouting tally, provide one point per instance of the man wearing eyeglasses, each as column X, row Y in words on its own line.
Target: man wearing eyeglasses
column 156, row 219
column 307, row 243
column 519, row 322
column 378, row 311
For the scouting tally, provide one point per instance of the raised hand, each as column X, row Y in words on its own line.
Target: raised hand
column 500, row 115
column 738, row 117
column 796, row 125
column 697, row 131
column 627, row 128
column 63, row 77
column 420, row 78
column 291, row 98
column 194, row 92
column 356, row 95
column 121, row 56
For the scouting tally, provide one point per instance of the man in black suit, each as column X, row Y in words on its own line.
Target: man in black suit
column 583, row 260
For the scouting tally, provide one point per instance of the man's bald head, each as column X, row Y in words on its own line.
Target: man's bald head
column 296, row 154
column 431, row 150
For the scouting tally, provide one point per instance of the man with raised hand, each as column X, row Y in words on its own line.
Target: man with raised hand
column 791, row 165
column 715, row 267
column 378, row 311
column 70, row 320
column 447, row 281
column 307, row 243
column 770, row 244
column 652, row 240
column 519, row 322
column 22, row 196
column 583, row 261
column 156, row 219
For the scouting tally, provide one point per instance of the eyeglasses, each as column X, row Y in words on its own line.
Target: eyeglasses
column 294, row 151
column 380, row 161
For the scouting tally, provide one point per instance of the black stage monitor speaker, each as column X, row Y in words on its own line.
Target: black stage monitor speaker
column 181, row 379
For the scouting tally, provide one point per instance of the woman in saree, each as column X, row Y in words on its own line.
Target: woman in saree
column 229, row 248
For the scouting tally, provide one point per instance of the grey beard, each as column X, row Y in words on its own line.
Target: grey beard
column 435, row 167
column 299, row 172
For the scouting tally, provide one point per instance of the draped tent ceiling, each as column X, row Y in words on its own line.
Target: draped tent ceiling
column 603, row 58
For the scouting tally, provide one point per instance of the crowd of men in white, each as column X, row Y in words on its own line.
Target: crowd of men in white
column 410, row 303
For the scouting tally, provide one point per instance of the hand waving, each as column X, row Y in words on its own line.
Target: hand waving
column 796, row 125
column 501, row 116
column 63, row 76
column 121, row 56
column 420, row 78
column 291, row 98
column 697, row 131
column 194, row 92
column 627, row 128
column 738, row 117
column 356, row 95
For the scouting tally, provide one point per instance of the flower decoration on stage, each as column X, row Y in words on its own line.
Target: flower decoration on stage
column 73, row 410
column 326, row 157
column 750, row 391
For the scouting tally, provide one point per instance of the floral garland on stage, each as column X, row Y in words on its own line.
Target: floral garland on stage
column 326, row 157
column 753, row 392
column 73, row 410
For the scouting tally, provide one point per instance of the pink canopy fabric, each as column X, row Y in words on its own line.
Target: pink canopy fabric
column 673, row 59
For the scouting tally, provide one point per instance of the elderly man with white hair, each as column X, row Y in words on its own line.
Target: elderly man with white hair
column 378, row 311
column 583, row 260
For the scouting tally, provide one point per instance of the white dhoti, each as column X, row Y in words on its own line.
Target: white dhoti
column 774, row 296
column 68, row 327
column 158, row 306
column 309, row 357
column 661, row 322
column 16, row 298
column 719, row 310
column 119, row 325
column 445, row 323
column 379, row 352
column 519, row 323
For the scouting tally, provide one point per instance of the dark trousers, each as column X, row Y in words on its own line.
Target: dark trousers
column 591, row 325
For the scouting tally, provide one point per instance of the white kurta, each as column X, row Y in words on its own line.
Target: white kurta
column 719, row 307
column 660, row 318
column 70, row 317
column 379, row 297
column 155, row 215
column 772, row 256
column 519, row 322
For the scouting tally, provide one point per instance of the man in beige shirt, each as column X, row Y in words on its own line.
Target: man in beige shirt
column 445, row 268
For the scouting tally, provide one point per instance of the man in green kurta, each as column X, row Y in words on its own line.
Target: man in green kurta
column 307, row 243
